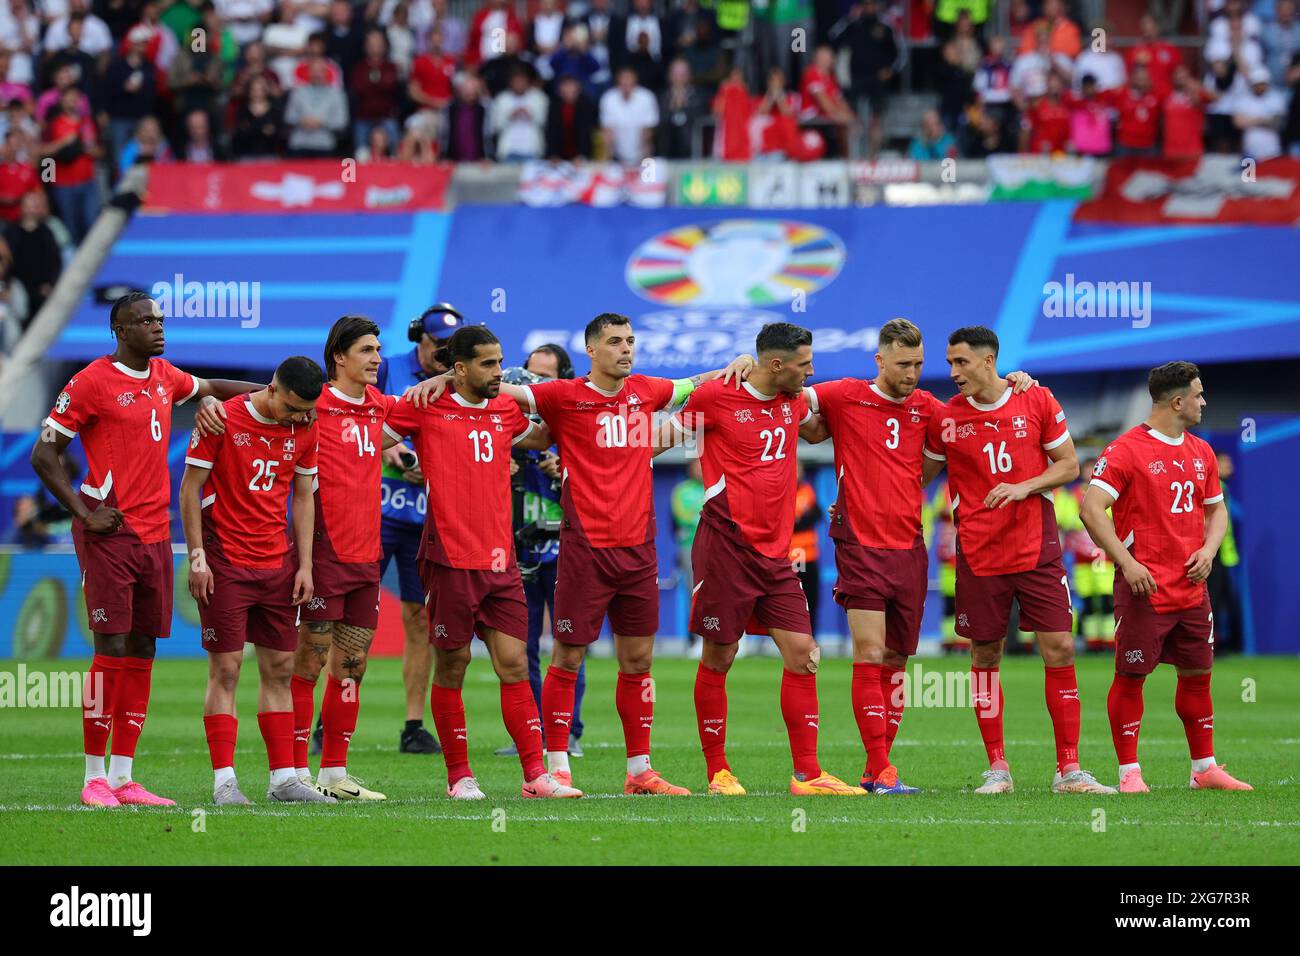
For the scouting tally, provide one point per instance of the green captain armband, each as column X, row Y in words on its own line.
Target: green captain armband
column 682, row 388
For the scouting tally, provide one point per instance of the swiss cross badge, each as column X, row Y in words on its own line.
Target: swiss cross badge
column 1018, row 422
column 288, row 444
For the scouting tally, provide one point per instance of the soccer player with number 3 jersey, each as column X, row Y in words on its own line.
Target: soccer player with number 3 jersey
column 1161, row 483
column 467, row 555
column 121, row 406
column 744, row 580
column 1005, row 452
column 248, row 576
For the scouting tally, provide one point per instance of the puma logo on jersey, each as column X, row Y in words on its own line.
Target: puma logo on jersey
column 1178, row 465
column 767, row 412
column 263, row 438
column 992, row 425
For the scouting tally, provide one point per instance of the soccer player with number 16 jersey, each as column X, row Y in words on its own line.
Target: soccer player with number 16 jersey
column 1161, row 483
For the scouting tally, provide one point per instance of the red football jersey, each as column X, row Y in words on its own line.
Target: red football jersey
column 747, row 453
column 878, row 444
column 1161, row 486
column 124, row 418
column 351, row 440
column 245, row 499
column 986, row 445
column 464, row 453
column 605, row 441
column 1139, row 118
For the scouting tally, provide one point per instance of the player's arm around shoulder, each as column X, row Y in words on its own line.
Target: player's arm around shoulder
column 536, row 438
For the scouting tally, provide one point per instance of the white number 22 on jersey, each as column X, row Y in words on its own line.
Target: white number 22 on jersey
column 768, row 435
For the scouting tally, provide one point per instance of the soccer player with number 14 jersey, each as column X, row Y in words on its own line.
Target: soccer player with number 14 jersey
column 1161, row 483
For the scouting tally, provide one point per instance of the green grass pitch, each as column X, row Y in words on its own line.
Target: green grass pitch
column 938, row 749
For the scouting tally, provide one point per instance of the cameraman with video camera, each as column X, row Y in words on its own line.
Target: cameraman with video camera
column 535, row 486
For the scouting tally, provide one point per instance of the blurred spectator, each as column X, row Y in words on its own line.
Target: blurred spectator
column 198, row 143
column 419, row 15
column 518, row 120
column 378, row 147
column 37, row 256
column 245, row 18
column 85, row 66
column 419, row 142
column 376, row 91
column 1138, row 110
column 570, row 121
column 642, row 19
column 11, row 89
column 1281, row 39
column 146, row 145
column 490, row 31
column 316, row 114
column 965, row 42
column 430, row 86
column 307, row 15
column 946, row 13
column 162, row 45
column 345, row 34
column 221, row 43
column 1259, row 113
column 20, row 33
column 17, row 178
column 574, row 59
column 466, row 119
column 649, row 70
column 181, row 17
column 874, row 58
column 495, row 73
column 17, row 121
column 773, row 23
column 65, row 79
column 1030, row 70
column 1105, row 66
column 255, row 65
column 93, row 36
column 628, row 117
column 682, row 27
column 259, row 126
column 995, row 115
column 1234, row 19
column 70, row 140
column 1222, row 586
column 401, row 40
column 1090, row 116
column 606, row 32
column 195, row 76
column 776, row 124
column 932, row 141
column 704, row 55
column 455, row 35
column 130, row 91
column 1062, row 32
column 1159, row 56
column 679, row 107
column 1047, row 121
column 545, row 31
column 1291, row 131
column 315, row 57
column 1183, row 111
column 821, row 99
column 733, row 107
column 956, row 87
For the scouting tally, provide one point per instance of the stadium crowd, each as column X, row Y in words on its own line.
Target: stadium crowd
column 100, row 85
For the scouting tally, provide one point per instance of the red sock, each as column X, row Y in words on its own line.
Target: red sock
column 711, row 716
column 869, row 711
column 519, row 712
column 557, row 707
column 133, row 680
column 986, row 695
column 277, row 732
column 99, row 700
column 222, row 730
column 634, row 698
column 449, row 721
column 799, row 708
column 304, row 708
column 338, row 714
column 1062, row 689
column 891, row 688
column 1124, row 705
column 1194, row 705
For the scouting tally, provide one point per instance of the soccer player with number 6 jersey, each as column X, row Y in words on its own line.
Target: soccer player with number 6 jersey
column 121, row 406
column 1005, row 452
column 467, row 555
column 1161, row 483
column 247, row 575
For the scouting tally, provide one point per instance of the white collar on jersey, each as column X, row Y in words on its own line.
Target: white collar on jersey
column 460, row 400
column 756, row 393
column 128, row 370
column 344, row 396
column 604, row 391
column 994, row 406
column 888, row 398
column 1161, row 436
column 258, row 416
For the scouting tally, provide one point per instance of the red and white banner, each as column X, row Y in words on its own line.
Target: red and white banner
column 315, row 185
column 1212, row 189
column 594, row 184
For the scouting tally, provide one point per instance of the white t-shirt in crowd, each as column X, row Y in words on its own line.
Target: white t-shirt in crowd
column 1108, row 68
column 1261, row 142
column 626, row 118
column 519, row 120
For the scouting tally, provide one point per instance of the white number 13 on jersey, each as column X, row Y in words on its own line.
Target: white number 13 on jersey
column 482, row 445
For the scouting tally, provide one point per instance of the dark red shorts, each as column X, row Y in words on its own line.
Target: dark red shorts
column 127, row 584
column 344, row 592
column 884, row 579
column 592, row 582
column 1145, row 638
column 250, row 605
column 463, row 603
column 983, row 604
column 737, row 587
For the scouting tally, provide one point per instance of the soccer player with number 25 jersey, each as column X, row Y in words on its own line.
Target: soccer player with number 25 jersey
column 1161, row 483
column 248, row 577
column 1005, row 452
column 121, row 406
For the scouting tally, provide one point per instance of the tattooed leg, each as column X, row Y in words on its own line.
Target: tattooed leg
column 313, row 649
column 350, row 651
